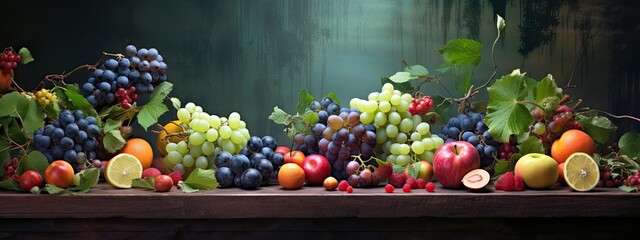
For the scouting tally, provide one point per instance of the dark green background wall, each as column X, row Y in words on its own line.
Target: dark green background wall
column 250, row 55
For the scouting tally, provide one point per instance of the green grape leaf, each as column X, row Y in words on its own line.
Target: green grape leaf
column 52, row 110
column 279, row 116
column 598, row 127
column 462, row 51
column 33, row 161
column 531, row 145
column 15, row 132
column 89, row 178
column 147, row 183
column 461, row 73
column 11, row 185
column 629, row 189
column 398, row 168
column 505, row 114
column 404, row 87
column 402, row 77
column 175, row 102
column 298, row 125
column 111, row 125
column 202, row 179
column 186, row 187
column 304, row 99
column 417, row 71
column 531, row 85
column 311, row 117
column 113, row 141
column 333, row 97
column 25, row 56
column 151, row 111
column 32, row 115
column 414, row 169
column 9, row 103
column 547, row 88
column 549, row 104
column 75, row 99
column 52, row 189
column 629, row 143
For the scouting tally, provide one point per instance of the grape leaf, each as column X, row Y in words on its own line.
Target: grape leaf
column 629, row 189
column 417, row 71
column 202, row 179
column 304, row 99
column 15, row 132
column 151, row 111
column 462, row 74
column 9, row 103
column 32, row 115
column 531, row 145
column 333, row 97
column 505, row 114
column 33, row 161
column 462, row 51
column 52, row 110
column 113, row 141
column 88, row 179
column 75, row 99
column 545, row 89
column 398, row 168
column 25, row 56
column 404, row 87
column 186, row 188
column 629, row 143
column 175, row 102
column 279, row 116
column 298, row 125
column 401, row 77
column 11, row 185
column 111, row 125
column 147, row 183
column 414, row 169
column 311, row 117
column 502, row 166
column 598, row 127
column 53, row 189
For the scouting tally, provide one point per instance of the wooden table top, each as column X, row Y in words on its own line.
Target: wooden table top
column 314, row 202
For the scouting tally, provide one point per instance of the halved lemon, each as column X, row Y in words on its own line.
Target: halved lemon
column 122, row 169
column 581, row 172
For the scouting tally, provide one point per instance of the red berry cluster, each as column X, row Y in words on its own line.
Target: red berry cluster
column 11, row 167
column 421, row 106
column 9, row 61
column 633, row 180
column 127, row 97
column 607, row 178
column 412, row 183
column 508, row 149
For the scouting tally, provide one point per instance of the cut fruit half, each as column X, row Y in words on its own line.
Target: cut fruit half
column 476, row 179
column 581, row 172
column 122, row 169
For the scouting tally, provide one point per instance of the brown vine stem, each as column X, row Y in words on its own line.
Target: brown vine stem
column 584, row 51
column 614, row 116
column 63, row 76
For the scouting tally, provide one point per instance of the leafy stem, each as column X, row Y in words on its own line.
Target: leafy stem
column 587, row 109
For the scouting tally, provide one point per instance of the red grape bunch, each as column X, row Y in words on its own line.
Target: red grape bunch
column 10, row 169
column 548, row 128
column 9, row 61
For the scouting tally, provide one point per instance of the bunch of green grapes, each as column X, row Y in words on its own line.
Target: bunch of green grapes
column 207, row 136
column 402, row 138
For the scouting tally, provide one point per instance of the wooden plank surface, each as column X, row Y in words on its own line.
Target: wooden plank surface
column 314, row 202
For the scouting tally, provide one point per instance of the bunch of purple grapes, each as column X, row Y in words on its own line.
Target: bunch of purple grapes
column 338, row 135
column 471, row 128
column 140, row 71
column 71, row 137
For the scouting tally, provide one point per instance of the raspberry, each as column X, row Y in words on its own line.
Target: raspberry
column 412, row 182
column 343, row 185
column 506, row 182
column 421, row 183
column 519, row 184
column 406, row 188
column 389, row 188
column 430, row 187
column 151, row 172
column 349, row 189
column 397, row 179
column 176, row 177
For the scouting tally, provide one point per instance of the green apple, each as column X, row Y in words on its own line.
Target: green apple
column 537, row 170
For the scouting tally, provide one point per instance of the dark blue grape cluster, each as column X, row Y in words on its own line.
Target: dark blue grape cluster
column 338, row 135
column 71, row 137
column 120, row 81
column 254, row 166
column 471, row 128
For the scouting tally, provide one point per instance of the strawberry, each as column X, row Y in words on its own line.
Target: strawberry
column 506, row 182
column 519, row 184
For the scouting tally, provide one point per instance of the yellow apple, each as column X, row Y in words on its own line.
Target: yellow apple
column 537, row 170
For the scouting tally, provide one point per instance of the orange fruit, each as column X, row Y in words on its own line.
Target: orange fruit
column 5, row 80
column 171, row 127
column 141, row 149
column 291, row 176
column 571, row 142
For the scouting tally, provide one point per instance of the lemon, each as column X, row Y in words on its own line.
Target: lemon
column 581, row 172
column 122, row 169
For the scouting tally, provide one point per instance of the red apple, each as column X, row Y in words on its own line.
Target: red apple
column 316, row 169
column 294, row 157
column 452, row 161
column 283, row 150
